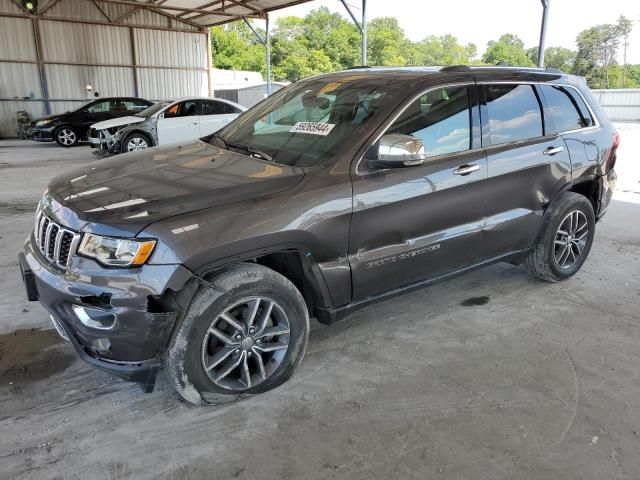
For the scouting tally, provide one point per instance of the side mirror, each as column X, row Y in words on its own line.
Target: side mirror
column 396, row 150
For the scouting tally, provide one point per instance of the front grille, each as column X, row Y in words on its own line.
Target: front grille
column 53, row 240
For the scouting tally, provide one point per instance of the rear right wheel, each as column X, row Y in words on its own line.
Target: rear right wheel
column 565, row 240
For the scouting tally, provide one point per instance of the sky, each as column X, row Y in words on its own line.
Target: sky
column 478, row 21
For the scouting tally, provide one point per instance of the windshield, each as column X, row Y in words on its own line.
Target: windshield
column 147, row 112
column 308, row 122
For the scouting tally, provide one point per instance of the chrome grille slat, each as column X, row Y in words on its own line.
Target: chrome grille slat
column 54, row 242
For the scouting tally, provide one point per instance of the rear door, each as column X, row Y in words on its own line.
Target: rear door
column 528, row 165
column 214, row 115
column 413, row 223
column 179, row 122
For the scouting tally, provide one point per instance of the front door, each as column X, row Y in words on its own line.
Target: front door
column 179, row 122
column 414, row 223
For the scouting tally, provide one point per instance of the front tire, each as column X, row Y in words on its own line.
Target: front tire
column 244, row 334
column 565, row 240
column 135, row 142
column 66, row 136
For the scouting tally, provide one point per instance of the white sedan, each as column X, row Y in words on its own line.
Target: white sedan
column 164, row 123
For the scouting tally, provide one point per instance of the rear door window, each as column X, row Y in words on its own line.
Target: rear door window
column 514, row 113
column 211, row 107
column 566, row 108
column 441, row 118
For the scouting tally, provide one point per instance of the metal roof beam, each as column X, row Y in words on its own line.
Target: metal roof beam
column 177, row 9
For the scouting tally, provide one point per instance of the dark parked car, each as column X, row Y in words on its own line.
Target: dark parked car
column 68, row 128
column 208, row 257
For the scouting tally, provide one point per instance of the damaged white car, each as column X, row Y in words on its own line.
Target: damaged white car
column 163, row 123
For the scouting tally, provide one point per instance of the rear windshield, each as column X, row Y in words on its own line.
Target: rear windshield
column 309, row 122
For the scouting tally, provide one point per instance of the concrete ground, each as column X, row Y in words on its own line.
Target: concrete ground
column 492, row 375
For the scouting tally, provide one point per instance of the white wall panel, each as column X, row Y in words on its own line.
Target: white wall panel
column 162, row 84
column 69, row 82
column 8, row 111
column 19, row 80
column 9, row 6
column 157, row 48
column 58, row 106
column 622, row 105
column 84, row 43
column 16, row 39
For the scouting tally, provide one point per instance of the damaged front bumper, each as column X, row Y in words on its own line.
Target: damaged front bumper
column 117, row 319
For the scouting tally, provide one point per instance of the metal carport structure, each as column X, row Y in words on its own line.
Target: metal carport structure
column 158, row 49
column 55, row 54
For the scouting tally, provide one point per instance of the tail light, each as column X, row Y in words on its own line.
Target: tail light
column 611, row 159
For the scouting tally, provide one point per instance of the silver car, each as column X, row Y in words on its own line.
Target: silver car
column 163, row 123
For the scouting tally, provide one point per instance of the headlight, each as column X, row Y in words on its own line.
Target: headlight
column 116, row 252
column 42, row 123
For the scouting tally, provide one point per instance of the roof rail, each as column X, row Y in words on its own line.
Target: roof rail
column 455, row 68
column 356, row 67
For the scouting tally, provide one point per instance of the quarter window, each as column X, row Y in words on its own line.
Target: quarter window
column 514, row 113
column 441, row 118
column 566, row 109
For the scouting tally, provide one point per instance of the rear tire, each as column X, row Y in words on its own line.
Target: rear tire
column 66, row 136
column 246, row 334
column 565, row 240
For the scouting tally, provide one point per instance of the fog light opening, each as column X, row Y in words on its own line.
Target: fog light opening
column 94, row 318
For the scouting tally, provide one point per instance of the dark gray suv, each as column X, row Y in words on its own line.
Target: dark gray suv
column 207, row 258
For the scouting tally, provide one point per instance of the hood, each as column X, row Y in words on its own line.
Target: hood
column 117, row 122
column 50, row 117
column 123, row 195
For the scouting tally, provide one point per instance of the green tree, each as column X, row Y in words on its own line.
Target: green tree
column 597, row 50
column 234, row 47
column 387, row 43
column 554, row 57
column 443, row 50
column 509, row 49
column 625, row 26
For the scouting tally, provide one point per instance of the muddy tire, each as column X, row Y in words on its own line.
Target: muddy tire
column 244, row 334
column 565, row 240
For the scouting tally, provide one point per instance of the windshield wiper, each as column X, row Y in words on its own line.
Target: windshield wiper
column 253, row 151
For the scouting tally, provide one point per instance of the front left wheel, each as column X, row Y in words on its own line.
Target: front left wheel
column 66, row 137
column 135, row 142
column 246, row 333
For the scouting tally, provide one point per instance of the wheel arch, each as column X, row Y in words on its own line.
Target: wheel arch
column 294, row 262
column 133, row 131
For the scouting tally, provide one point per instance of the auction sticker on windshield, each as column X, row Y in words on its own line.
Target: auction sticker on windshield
column 314, row 128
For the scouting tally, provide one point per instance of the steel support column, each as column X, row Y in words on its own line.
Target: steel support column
column 40, row 61
column 362, row 26
column 267, row 45
column 543, row 32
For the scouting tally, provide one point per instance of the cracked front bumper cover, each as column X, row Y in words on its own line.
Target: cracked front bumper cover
column 132, row 347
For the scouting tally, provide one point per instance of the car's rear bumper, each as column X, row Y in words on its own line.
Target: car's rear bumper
column 607, row 186
column 130, row 344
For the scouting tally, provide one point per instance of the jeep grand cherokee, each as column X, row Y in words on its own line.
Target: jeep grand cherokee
column 208, row 257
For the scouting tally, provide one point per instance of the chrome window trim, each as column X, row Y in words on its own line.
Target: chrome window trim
column 399, row 113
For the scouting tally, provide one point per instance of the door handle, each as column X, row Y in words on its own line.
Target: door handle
column 552, row 150
column 466, row 169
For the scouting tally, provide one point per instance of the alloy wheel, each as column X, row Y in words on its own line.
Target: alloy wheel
column 136, row 143
column 67, row 137
column 246, row 343
column 571, row 239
